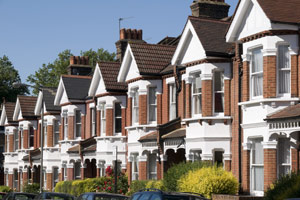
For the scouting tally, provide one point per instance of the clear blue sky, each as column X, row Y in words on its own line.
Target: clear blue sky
column 33, row 32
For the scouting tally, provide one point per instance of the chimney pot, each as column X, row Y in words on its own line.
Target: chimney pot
column 122, row 34
column 134, row 34
column 72, row 60
column 128, row 34
column 140, row 34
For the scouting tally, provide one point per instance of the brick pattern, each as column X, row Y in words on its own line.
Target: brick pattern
column 71, row 121
column 165, row 102
column 129, row 112
column 143, row 109
column 49, row 181
column 50, row 135
column 188, row 112
column 11, row 143
column 295, row 160
column 25, row 139
column 5, row 144
column 227, row 97
column 123, row 114
column 70, row 174
column 83, row 125
column 246, row 171
column 61, row 174
column 25, row 177
column 10, row 180
column 129, row 170
column 227, row 165
column 181, row 100
column 109, row 122
column 61, row 129
column 298, row 67
column 245, row 81
column 294, row 76
column 270, row 167
column 158, row 167
column 143, row 170
column 38, row 136
column 269, row 82
column 83, row 174
column 98, row 123
column 159, row 108
column 88, row 127
column 207, row 98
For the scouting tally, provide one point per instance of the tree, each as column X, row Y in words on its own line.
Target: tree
column 8, row 76
column 49, row 74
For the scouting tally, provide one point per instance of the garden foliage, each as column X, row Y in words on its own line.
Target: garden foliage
column 5, row 189
column 31, row 187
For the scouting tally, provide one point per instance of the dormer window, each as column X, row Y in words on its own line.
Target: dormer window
column 197, row 94
column 152, row 106
column 284, row 70
column 78, row 123
column 172, row 101
column 219, row 91
column 256, row 75
column 135, row 106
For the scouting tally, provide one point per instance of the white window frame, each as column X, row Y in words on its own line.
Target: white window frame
column 55, row 179
column 150, row 106
column 117, row 118
column 193, row 95
column 21, row 135
column 66, row 124
column 172, row 104
column 56, row 125
column 218, row 92
column 196, row 155
column 65, row 172
column 45, row 133
column 16, row 139
column 151, row 175
column 77, row 124
column 76, row 166
column 251, row 75
column 278, row 80
column 30, row 136
column 135, row 108
column 135, row 167
column 103, row 118
column 252, row 166
column 93, row 121
column 7, row 139
column 279, row 152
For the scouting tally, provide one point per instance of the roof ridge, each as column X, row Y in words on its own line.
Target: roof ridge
column 209, row 19
column 112, row 62
column 147, row 44
column 76, row 76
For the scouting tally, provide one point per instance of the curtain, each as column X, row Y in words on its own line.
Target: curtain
column 284, row 69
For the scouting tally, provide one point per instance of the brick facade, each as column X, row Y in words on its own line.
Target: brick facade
column 269, row 79
column 11, row 143
column 270, row 167
column 10, row 180
column 143, row 170
column 25, row 139
column 207, row 98
column 165, row 102
column 159, row 108
column 227, row 97
column 246, row 171
column 109, row 122
column 50, row 134
column 143, row 118
column 129, row 171
column 49, row 181
column 123, row 114
column 295, row 160
column 188, row 112
column 84, row 124
column 246, row 82
column 71, row 123
column 294, row 76
column 129, row 112
column 70, row 174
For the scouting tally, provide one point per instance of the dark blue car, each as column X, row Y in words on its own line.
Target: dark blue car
column 101, row 196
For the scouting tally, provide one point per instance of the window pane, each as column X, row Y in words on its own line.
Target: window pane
column 78, row 116
column 197, row 86
column 257, row 152
column 258, row 178
column 118, row 111
column 218, row 81
column 257, row 84
column 257, row 60
column 219, row 102
column 283, row 57
column 284, row 81
column 197, row 104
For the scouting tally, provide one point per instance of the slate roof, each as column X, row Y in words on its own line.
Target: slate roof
column 288, row 112
column 149, row 136
column 170, row 41
column 283, row 11
column 110, row 71
column 27, row 104
column 211, row 33
column 151, row 58
column 48, row 97
column 10, row 108
column 76, row 87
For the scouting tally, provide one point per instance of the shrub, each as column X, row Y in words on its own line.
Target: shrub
column 31, row 188
column 209, row 180
column 155, row 184
column 285, row 187
column 176, row 171
column 5, row 189
column 137, row 185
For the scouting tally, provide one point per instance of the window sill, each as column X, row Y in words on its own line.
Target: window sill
column 196, row 118
column 69, row 141
column 51, row 149
column 138, row 126
column 269, row 100
column 10, row 154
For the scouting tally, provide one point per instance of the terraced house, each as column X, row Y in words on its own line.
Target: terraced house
column 225, row 91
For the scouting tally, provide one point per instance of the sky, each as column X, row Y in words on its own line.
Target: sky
column 33, row 32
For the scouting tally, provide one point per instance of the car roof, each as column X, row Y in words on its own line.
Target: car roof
column 104, row 193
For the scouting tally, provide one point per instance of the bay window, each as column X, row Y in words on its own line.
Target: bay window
column 284, row 157
column 56, row 132
column 172, row 101
column 135, row 106
column 55, row 176
column 103, row 118
column 152, row 167
column 16, row 138
column 31, row 137
column 152, row 105
column 65, row 118
column 118, row 118
column 219, row 91
column 78, row 123
column 93, row 121
column 22, row 137
column 197, row 94
column 257, row 165
column 77, row 170
column 135, row 167
column 256, row 74
column 283, row 70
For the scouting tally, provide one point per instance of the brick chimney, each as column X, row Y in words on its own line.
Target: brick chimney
column 79, row 65
column 127, row 35
column 217, row 9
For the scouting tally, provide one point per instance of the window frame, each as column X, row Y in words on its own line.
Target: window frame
column 278, row 81
column 76, row 166
column 253, row 165
column 56, row 125
column 135, row 167
column 252, row 74
column 16, row 139
column 151, row 175
column 172, row 104
column 219, row 92
column 30, row 136
column 93, row 120
column 283, row 164
column 135, row 108
column 102, row 106
column 152, row 105
column 117, row 118
column 53, row 178
column 78, row 123
column 45, row 133
column 66, row 124
column 21, row 136
column 193, row 94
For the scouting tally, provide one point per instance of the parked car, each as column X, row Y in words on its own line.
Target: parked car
column 54, row 195
column 2, row 194
column 155, row 194
column 101, row 196
column 19, row 196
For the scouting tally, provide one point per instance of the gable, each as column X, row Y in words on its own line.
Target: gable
column 249, row 19
column 61, row 94
column 3, row 117
column 97, row 85
column 129, row 69
column 189, row 48
column 38, row 105
column 17, row 112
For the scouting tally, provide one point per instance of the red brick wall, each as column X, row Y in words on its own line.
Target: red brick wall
column 207, row 98
column 129, row 112
column 245, row 81
column 5, row 144
column 25, row 177
column 11, row 143
column 83, row 125
column 269, row 82
column 98, row 123
column 188, row 101
column 298, row 67
column 246, row 171
column 61, row 129
column 159, row 108
column 10, row 180
column 165, row 102
column 83, row 174
column 270, row 167
column 25, row 139
column 70, row 174
column 227, row 166
column 71, row 121
column 294, row 76
column 143, row 109
column 295, row 159
column 109, row 122
column 38, row 136
column 129, row 170
column 227, row 97
column 61, row 174
column 49, row 179
column 50, row 135
column 181, row 100
column 143, row 170
column 123, row 121
column 158, row 167
column 88, row 127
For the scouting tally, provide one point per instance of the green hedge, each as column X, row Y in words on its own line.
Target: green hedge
column 4, row 188
column 31, row 187
column 286, row 187
column 142, row 184
column 176, row 171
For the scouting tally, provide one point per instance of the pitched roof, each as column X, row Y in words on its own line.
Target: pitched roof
column 284, row 11
column 48, row 97
column 110, row 71
column 288, row 112
column 178, row 133
column 151, row 58
column 170, row 41
column 149, row 136
column 211, row 33
column 27, row 104
column 9, row 109
column 76, row 87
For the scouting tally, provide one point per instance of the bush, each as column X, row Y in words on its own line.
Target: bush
column 208, row 181
column 285, row 187
column 155, row 184
column 137, row 185
column 31, row 188
column 5, row 189
column 176, row 171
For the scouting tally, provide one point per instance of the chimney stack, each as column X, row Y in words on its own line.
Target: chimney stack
column 79, row 65
column 217, row 9
column 127, row 35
